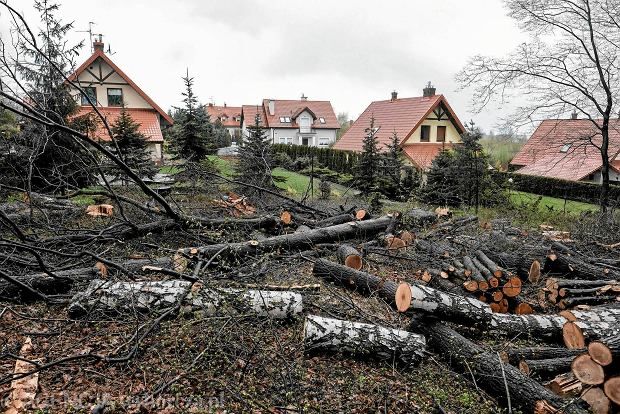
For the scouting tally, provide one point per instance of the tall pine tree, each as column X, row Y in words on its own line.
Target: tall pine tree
column 192, row 132
column 367, row 171
column 132, row 145
column 255, row 160
column 392, row 169
column 55, row 159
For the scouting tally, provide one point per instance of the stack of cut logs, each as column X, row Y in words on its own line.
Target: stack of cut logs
column 568, row 293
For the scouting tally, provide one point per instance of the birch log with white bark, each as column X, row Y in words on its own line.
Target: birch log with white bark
column 107, row 298
column 362, row 339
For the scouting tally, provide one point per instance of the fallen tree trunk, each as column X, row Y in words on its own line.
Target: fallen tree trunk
column 490, row 373
column 341, row 232
column 355, row 279
column 545, row 368
column 119, row 298
column 362, row 339
column 515, row 355
column 66, row 279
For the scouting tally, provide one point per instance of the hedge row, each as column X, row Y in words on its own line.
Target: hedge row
column 553, row 187
column 335, row 160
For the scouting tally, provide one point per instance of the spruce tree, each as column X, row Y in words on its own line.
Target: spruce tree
column 192, row 133
column 255, row 159
column 132, row 145
column 366, row 173
column 442, row 182
column 392, row 168
column 56, row 160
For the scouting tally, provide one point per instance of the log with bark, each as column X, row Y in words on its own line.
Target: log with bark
column 121, row 298
column 545, row 368
column 362, row 339
column 504, row 381
column 515, row 355
column 349, row 256
column 57, row 282
column 340, row 232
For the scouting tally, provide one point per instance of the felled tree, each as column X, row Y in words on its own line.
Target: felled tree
column 255, row 160
column 132, row 145
column 54, row 157
column 192, row 133
column 367, row 171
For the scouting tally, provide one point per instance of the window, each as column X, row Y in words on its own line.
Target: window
column 441, row 134
column 305, row 124
column 565, row 148
column 285, row 119
column 282, row 119
column 89, row 92
column 286, row 140
column 425, row 133
column 115, row 97
column 322, row 120
column 323, row 142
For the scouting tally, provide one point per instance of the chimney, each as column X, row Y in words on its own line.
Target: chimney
column 429, row 90
column 394, row 96
column 98, row 44
column 210, row 103
column 574, row 114
column 272, row 107
column 350, row 122
column 224, row 104
column 304, row 97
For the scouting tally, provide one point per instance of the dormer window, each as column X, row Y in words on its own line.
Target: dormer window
column 322, row 120
column 565, row 148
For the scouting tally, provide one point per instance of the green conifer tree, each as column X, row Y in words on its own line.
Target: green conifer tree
column 255, row 159
column 391, row 169
column 367, row 171
column 132, row 145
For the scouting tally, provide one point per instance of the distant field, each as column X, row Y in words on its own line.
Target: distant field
column 501, row 152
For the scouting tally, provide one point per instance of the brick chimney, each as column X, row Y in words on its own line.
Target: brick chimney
column 429, row 90
column 394, row 96
column 574, row 114
column 272, row 107
column 98, row 44
column 304, row 97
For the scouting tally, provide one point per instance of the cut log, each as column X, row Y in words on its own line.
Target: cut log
column 362, row 215
column 567, row 303
column 419, row 217
column 349, row 256
column 486, row 273
column 597, row 400
column 600, row 353
column 587, row 371
column 490, row 264
column 286, row 218
column 490, row 373
column 300, row 241
column 457, row 308
column 120, row 298
column 534, row 273
column 475, row 274
column 565, row 385
column 512, row 287
column 575, row 333
column 545, row 368
column 407, row 237
column 362, row 339
column 355, row 279
column 612, row 389
column 540, row 352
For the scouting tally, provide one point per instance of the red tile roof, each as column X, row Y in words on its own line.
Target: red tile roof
column 292, row 108
column 249, row 113
column 543, row 153
column 225, row 114
column 147, row 118
column 423, row 154
column 402, row 115
column 100, row 54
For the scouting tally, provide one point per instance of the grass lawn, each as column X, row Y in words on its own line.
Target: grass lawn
column 170, row 169
column 224, row 167
column 297, row 184
column 550, row 203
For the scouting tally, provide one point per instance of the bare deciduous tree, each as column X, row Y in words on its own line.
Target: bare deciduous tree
column 570, row 62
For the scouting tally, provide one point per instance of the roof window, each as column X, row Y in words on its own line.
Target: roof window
column 322, row 120
column 565, row 148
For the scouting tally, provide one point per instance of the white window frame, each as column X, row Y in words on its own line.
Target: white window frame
column 285, row 140
column 565, row 148
column 322, row 120
column 324, row 142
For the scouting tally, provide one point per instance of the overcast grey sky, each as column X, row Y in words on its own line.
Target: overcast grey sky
column 350, row 52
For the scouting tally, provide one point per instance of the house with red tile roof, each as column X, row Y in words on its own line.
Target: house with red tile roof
column 294, row 122
column 228, row 116
column 568, row 149
column 110, row 89
column 425, row 126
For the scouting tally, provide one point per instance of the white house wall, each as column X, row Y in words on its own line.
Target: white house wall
column 131, row 98
column 452, row 135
